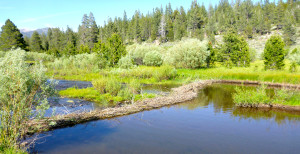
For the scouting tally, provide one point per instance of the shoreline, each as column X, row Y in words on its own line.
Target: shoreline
column 177, row 95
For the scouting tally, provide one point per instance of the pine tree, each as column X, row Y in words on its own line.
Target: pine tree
column 93, row 30
column 11, row 37
column 83, row 31
column 155, row 23
column 115, row 49
column 236, row 49
column 70, row 49
column 45, row 43
column 289, row 31
column 274, row 53
column 35, row 42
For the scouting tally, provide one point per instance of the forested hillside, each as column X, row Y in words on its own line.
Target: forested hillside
column 167, row 24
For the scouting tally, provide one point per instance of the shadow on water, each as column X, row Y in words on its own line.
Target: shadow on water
column 208, row 124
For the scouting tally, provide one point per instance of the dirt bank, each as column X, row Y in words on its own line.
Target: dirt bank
column 177, row 95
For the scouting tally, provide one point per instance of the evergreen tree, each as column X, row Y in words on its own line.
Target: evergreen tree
column 70, row 49
column 35, row 42
column 289, row 31
column 45, row 43
column 115, row 49
column 236, row 49
column 155, row 23
column 93, row 30
column 11, row 37
column 274, row 53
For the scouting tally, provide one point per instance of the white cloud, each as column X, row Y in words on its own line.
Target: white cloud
column 45, row 17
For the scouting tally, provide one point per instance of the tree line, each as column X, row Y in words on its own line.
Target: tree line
column 163, row 25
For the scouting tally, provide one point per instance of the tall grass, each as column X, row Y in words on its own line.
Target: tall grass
column 254, row 97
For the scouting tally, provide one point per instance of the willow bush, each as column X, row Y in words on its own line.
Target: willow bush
column 190, row 53
column 23, row 96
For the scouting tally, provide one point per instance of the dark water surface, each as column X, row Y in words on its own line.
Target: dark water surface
column 209, row 124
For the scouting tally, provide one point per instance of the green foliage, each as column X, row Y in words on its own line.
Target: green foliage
column 35, row 56
column 113, row 86
column 153, row 58
column 116, row 49
column 187, row 54
column 22, row 88
column 11, row 37
column 254, row 97
column 138, row 51
column 134, row 86
column 107, row 85
column 274, row 53
column 75, row 64
column 211, row 59
column 35, row 42
column 289, row 30
column 293, row 67
column 236, row 49
column 126, row 62
column 251, row 98
column 295, row 56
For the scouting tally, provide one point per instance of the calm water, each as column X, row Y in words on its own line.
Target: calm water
column 209, row 124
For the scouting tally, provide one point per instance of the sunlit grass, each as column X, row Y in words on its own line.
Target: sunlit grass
column 90, row 94
column 156, row 75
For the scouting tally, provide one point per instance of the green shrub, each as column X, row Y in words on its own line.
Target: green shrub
column 236, row 49
column 153, row 58
column 274, row 53
column 126, row 62
column 126, row 94
column 100, row 85
column 2, row 54
column 295, row 56
column 86, row 62
column 293, row 67
column 138, row 51
column 22, row 88
column 113, row 86
column 187, row 54
column 35, row 56
column 135, row 86
column 165, row 73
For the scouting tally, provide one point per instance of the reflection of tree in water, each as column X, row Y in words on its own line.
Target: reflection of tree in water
column 220, row 96
column 279, row 116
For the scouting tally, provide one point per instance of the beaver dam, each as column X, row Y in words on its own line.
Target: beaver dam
column 202, row 118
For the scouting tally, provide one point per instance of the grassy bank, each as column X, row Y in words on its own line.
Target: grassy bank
column 161, row 75
column 90, row 94
column 259, row 96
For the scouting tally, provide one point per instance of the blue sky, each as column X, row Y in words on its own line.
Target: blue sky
column 33, row 14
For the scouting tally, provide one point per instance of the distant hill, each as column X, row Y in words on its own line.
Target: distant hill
column 28, row 33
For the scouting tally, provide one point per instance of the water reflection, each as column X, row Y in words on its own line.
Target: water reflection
column 209, row 124
column 219, row 96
